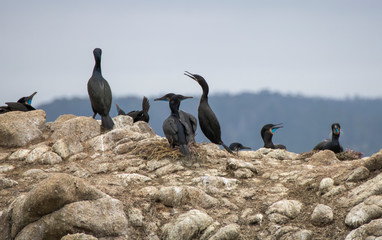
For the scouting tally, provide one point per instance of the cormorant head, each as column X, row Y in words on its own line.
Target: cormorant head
column 202, row 82
column 336, row 128
column 271, row 128
column 97, row 52
column 27, row 100
column 166, row 97
column 237, row 146
column 175, row 101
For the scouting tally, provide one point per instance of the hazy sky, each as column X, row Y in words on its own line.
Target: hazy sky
column 314, row 48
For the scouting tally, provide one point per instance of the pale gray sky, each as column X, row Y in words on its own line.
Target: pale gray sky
column 314, row 48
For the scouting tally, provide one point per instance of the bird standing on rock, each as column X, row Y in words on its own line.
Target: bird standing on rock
column 207, row 119
column 267, row 133
column 23, row 104
column 100, row 93
column 187, row 118
column 174, row 129
column 334, row 144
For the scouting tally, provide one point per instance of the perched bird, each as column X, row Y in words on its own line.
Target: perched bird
column 141, row 115
column 174, row 129
column 23, row 104
column 187, row 118
column 138, row 115
column 333, row 144
column 237, row 146
column 207, row 120
column 267, row 134
column 100, row 92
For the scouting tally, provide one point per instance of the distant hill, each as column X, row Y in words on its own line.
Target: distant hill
column 306, row 121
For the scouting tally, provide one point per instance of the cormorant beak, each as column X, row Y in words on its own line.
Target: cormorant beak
column 336, row 131
column 188, row 74
column 161, row 99
column 29, row 99
column 275, row 127
column 184, row 97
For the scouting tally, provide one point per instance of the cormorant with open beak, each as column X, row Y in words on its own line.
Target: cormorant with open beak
column 23, row 104
column 267, row 133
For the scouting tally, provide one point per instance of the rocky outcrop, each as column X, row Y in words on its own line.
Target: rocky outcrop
column 74, row 181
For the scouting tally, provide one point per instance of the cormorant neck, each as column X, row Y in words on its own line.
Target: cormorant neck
column 268, row 140
column 174, row 109
column 97, row 66
column 205, row 88
column 335, row 138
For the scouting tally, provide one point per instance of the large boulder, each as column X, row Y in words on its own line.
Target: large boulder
column 59, row 205
column 19, row 129
column 83, row 128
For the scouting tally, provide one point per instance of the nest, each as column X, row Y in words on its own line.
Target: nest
column 160, row 149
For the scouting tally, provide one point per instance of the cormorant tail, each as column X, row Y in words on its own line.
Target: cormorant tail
column 226, row 148
column 145, row 104
column 184, row 150
column 107, row 122
column 119, row 110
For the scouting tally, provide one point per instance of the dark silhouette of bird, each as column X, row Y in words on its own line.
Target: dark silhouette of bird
column 100, row 92
column 237, row 146
column 141, row 115
column 207, row 119
column 187, row 118
column 23, row 104
column 174, row 129
column 138, row 115
column 119, row 110
column 267, row 134
column 333, row 144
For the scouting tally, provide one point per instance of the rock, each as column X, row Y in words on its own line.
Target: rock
column 6, row 168
column 20, row 154
column 229, row 232
column 326, row 185
column 103, row 217
column 288, row 208
column 36, row 154
column 364, row 212
column 127, row 178
column 358, row 174
column 107, row 141
column 78, row 236
column 235, row 164
column 35, row 173
column 4, row 156
column 49, row 196
column 209, row 181
column 372, row 229
column 50, row 158
column 168, row 169
column 334, row 191
column 176, row 196
column 83, row 128
column 322, row 215
column 281, row 154
column 363, row 191
column 135, row 217
column 243, row 173
column 7, row 183
column 374, row 162
column 325, row 157
column 249, row 217
column 19, row 129
column 122, row 121
column 67, row 146
column 77, row 157
column 187, row 226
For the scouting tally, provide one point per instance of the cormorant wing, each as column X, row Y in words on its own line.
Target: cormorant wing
column 16, row 106
column 321, row 145
column 170, row 130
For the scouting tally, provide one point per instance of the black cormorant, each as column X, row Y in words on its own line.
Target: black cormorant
column 174, row 129
column 267, row 134
column 189, row 120
column 237, row 146
column 138, row 115
column 141, row 115
column 333, row 144
column 207, row 120
column 23, row 104
column 100, row 92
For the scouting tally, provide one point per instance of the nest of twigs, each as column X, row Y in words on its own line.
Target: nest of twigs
column 160, row 149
